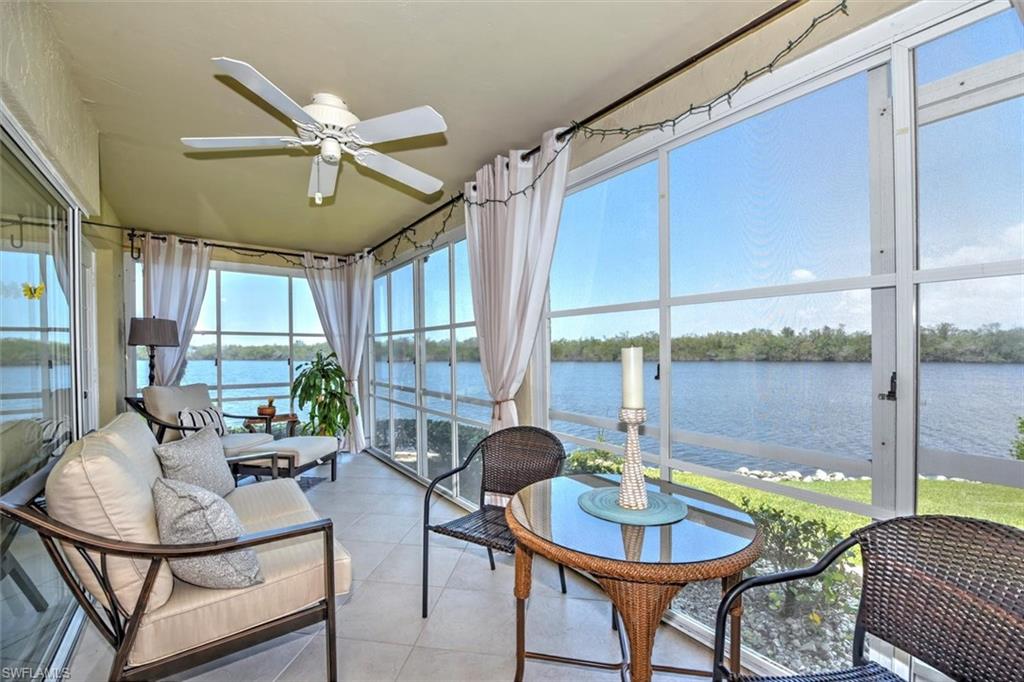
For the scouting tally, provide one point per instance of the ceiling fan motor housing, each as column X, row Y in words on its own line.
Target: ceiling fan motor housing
column 331, row 111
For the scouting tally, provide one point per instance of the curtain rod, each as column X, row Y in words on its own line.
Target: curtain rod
column 197, row 240
column 682, row 66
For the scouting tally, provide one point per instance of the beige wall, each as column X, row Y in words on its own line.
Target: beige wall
column 110, row 311
column 36, row 86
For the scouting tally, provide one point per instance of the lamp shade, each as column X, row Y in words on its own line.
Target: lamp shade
column 152, row 331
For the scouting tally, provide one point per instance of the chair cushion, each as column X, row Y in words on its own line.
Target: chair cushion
column 165, row 402
column 198, row 460
column 98, row 487
column 187, row 514
column 292, row 579
column 207, row 416
column 304, row 450
column 237, row 443
column 129, row 433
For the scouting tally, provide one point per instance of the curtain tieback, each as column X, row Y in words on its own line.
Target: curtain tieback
column 496, row 412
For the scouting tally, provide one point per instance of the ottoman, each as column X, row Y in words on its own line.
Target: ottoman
column 295, row 455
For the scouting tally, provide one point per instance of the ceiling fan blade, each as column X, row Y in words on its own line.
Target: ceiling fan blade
column 265, row 142
column 254, row 80
column 395, row 169
column 399, row 125
column 323, row 178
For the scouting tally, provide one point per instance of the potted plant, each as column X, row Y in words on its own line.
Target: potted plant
column 267, row 410
column 321, row 383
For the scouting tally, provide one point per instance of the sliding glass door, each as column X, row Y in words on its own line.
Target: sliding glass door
column 36, row 400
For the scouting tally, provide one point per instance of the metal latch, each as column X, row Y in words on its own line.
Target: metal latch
column 891, row 395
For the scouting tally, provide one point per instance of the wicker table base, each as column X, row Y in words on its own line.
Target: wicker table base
column 639, row 607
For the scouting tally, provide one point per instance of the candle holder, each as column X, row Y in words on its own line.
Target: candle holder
column 629, row 503
column 633, row 488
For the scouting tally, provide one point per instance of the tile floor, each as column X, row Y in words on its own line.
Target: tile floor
column 470, row 633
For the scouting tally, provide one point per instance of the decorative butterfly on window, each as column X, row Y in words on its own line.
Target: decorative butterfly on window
column 32, row 293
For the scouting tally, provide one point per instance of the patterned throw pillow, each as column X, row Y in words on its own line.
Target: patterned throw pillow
column 199, row 460
column 208, row 416
column 186, row 514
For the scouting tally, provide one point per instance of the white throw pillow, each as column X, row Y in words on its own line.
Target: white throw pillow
column 208, row 416
column 199, row 460
column 187, row 514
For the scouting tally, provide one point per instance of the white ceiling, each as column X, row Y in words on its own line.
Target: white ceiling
column 500, row 73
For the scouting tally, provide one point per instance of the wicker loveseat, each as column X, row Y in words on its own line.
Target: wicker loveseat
column 98, row 524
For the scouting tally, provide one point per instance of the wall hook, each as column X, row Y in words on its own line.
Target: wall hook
column 135, row 251
column 21, row 233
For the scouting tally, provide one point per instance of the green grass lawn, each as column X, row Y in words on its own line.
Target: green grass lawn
column 980, row 500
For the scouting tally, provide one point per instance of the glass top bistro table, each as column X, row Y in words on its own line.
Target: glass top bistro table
column 641, row 568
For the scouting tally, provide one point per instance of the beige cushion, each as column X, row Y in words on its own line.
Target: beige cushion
column 100, row 488
column 237, row 443
column 130, row 434
column 292, row 572
column 164, row 403
column 304, row 449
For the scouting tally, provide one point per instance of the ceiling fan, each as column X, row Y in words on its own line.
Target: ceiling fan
column 328, row 126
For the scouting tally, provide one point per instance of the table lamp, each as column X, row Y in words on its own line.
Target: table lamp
column 152, row 332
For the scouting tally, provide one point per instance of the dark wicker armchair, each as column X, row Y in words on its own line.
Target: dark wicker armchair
column 945, row 589
column 513, row 458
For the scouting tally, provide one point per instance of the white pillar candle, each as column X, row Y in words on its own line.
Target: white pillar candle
column 633, row 378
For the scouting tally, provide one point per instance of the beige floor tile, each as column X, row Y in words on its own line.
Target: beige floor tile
column 357, row 661
column 373, row 527
column 580, row 628
column 92, row 657
column 473, row 572
column 366, row 556
column 405, row 565
column 415, row 537
column 439, row 665
column 470, row 620
column 385, row 612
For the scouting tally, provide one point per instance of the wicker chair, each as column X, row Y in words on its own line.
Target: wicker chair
column 513, row 458
column 947, row 590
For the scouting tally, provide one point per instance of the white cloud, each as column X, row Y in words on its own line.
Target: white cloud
column 802, row 275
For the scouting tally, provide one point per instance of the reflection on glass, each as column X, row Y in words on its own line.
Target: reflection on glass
column 469, row 379
column 381, row 435
column 403, row 361
column 380, row 304
column 778, row 198
column 436, row 300
column 971, row 345
column 463, row 291
column 607, row 250
column 437, row 374
column 586, row 368
column 251, row 302
column 305, row 319
column 469, row 480
column 401, row 299
column 996, row 37
column 792, row 371
column 36, row 418
column 439, row 448
column 404, row 447
column 254, row 360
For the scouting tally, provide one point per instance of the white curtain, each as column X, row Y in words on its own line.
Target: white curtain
column 341, row 291
column 510, row 248
column 173, row 286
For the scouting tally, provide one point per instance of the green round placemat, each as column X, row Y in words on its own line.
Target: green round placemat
column 661, row 509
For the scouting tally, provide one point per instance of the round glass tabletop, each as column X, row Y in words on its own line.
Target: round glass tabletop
column 712, row 528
